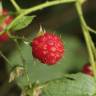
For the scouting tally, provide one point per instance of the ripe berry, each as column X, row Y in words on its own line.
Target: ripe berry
column 4, row 37
column 87, row 70
column 7, row 20
column 4, row 12
column 48, row 48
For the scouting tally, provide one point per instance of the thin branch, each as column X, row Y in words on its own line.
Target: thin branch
column 15, row 5
column 86, row 35
column 23, row 62
column 91, row 30
column 5, row 58
column 36, row 8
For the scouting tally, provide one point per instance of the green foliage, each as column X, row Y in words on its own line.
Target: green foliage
column 42, row 72
column 22, row 22
column 71, row 85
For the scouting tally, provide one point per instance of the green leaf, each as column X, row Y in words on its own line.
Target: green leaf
column 73, row 85
column 22, row 22
column 43, row 72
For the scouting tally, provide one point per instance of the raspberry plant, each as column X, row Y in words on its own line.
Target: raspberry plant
column 78, row 84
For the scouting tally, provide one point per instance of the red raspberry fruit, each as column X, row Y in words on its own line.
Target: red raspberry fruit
column 48, row 48
column 4, row 37
column 4, row 12
column 87, row 70
column 7, row 20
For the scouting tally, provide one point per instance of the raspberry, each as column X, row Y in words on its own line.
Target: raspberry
column 87, row 70
column 4, row 12
column 48, row 48
column 4, row 37
column 7, row 20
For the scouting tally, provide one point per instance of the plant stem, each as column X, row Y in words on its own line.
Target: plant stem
column 15, row 5
column 92, row 46
column 36, row 8
column 47, row 4
column 91, row 55
column 18, row 37
column 23, row 62
column 90, row 29
column 33, row 9
column 5, row 58
column 86, row 35
column 1, row 6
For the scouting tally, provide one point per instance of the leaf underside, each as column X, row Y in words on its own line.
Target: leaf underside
column 22, row 23
column 73, row 85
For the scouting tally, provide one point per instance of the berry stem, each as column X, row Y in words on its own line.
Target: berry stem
column 86, row 34
column 17, row 7
column 5, row 58
column 46, row 4
column 18, row 37
column 23, row 62
column 36, row 8
column 19, row 49
column 90, row 29
column 92, row 46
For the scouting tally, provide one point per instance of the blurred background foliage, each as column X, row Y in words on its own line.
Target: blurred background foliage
column 60, row 19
